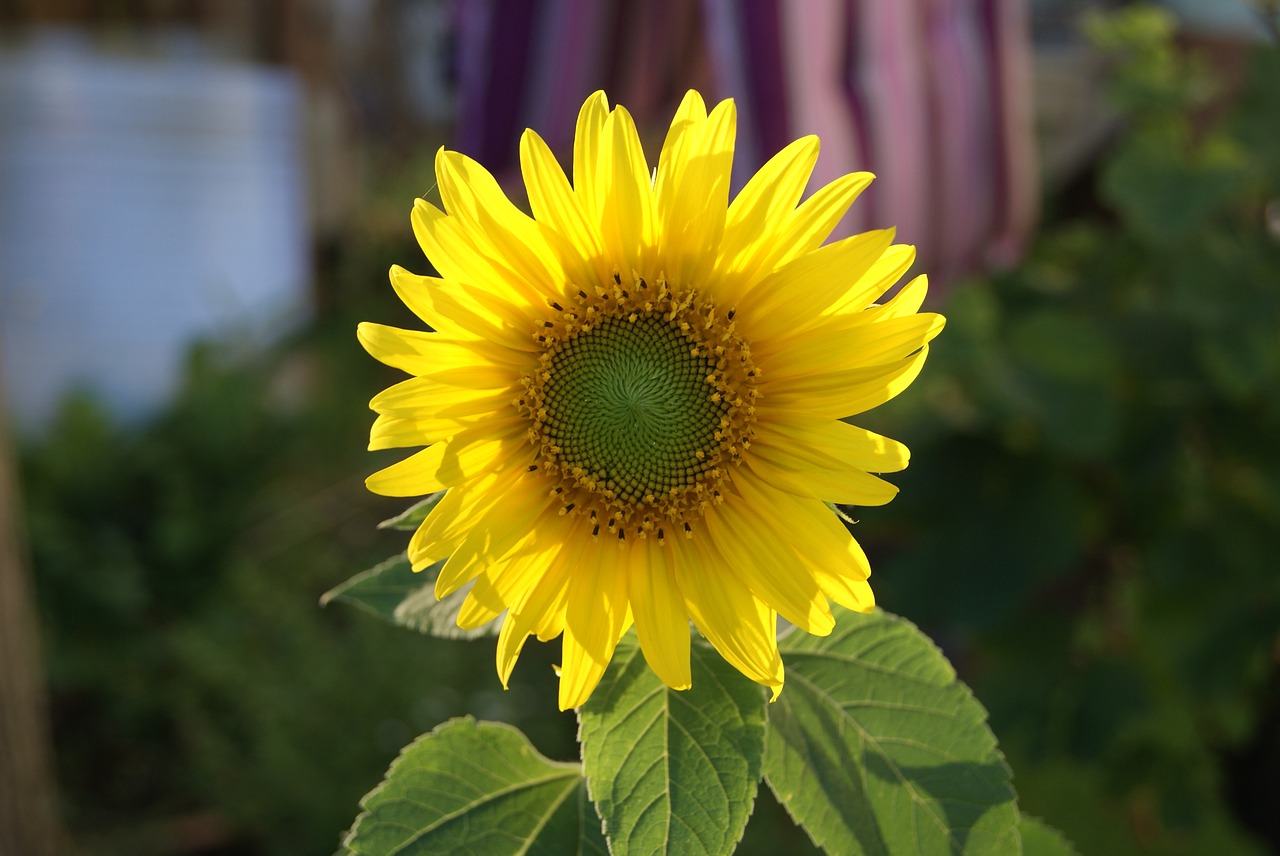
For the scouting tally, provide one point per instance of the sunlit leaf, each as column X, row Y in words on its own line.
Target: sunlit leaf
column 477, row 789
column 874, row 747
column 673, row 772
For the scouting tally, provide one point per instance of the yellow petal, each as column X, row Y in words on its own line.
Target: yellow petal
column 481, row 605
column 552, row 552
column 497, row 531
column 595, row 619
column 767, row 200
column 835, row 347
column 835, row 559
column 398, row 432
column 687, row 122
column 558, row 209
column 658, row 609
column 813, row 221
column 864, row 449
column 848, row 392
column 887, row 270
column 463, row 456
column 460, row 257
column 796, row 294
column 449, row 522
column 551, row 624
column 806, row 471
column 491, row 222
column 692, row 191
column 472, row 363
column 905, row 303
column 740, row 626
column 762, row 558
column 589, row 147
column 627, row 219
column 461, row 310
column 428, row 397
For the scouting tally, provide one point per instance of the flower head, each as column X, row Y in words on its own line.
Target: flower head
column 634, row 397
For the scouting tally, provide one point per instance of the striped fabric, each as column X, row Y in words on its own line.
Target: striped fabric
column 934, row 96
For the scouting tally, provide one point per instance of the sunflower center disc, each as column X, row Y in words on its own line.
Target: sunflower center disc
column 629, row 403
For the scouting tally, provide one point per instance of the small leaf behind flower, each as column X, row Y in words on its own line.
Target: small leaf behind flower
column 875, row 748
column 392, row 591
column 411, row 518
column 477, row 788
column 673, row 772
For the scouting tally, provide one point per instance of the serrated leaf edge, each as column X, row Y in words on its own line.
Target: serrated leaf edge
column 982, row 717
column 570, row 769
column 632, row 652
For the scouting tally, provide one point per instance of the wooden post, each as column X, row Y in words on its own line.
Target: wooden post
column 28, row 821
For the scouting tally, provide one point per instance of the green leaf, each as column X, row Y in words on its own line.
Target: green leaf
column 673, row 772
column 411, row 518
column 392, row 591
column 1040, row 839
column 477, row 789
column 874, row 747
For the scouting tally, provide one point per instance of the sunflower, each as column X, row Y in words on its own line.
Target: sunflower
column 633, row 398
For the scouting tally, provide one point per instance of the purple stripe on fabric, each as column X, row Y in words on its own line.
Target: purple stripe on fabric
column 960, row 95
column 490, row 124
column 865, row 212
column 472, row 24
column 766, row 75
column 724, row 28
column 566, row 68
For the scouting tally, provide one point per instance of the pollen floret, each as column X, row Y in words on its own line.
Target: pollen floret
column 644, row 395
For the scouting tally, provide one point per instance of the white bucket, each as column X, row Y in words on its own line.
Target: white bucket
column 143, row 203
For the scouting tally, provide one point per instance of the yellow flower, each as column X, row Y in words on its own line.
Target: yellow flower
column 633, row 398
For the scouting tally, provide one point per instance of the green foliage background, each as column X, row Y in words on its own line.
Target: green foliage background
column 1087, row 529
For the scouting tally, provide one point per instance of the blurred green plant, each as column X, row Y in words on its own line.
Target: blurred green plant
column 1093, row 533
column 200, row 696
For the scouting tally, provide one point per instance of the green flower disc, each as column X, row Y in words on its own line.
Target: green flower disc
column 631, row 405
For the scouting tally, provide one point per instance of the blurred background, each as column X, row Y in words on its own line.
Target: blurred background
column 199, row 199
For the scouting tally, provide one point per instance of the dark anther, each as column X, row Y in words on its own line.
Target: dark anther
column 617, row 279
column 732, row 312
column 582, row 294
column 687, row 527
column 531, row 468
column 660, row 534
column 622, row 534
column 569, row 507
column 595, row 530
column 556, row 306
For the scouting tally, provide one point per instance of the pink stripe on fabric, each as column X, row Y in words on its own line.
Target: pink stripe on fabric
column 891, row 76
column 724, row 25
column 1008, row 24
column 814, row 47
column 964, row 163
